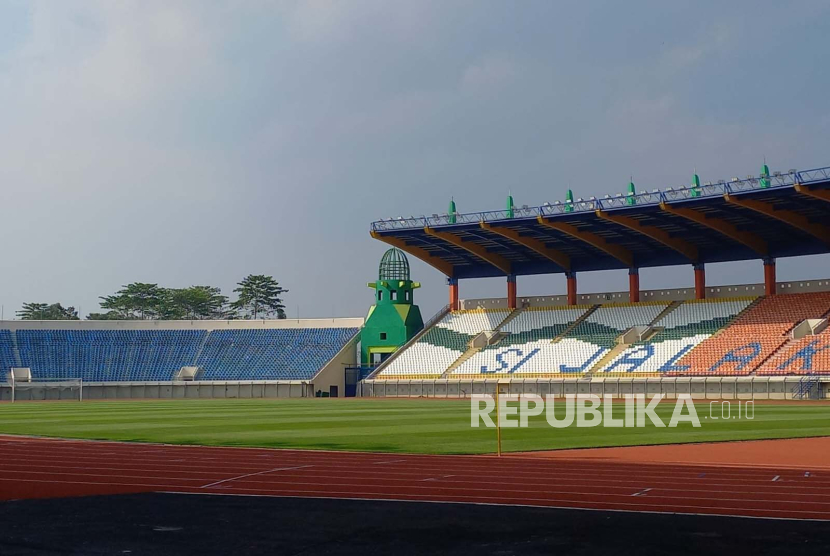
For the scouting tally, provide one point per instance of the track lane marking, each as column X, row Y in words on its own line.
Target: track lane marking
column 418, row 465
column 500, row 472
column 238, row 477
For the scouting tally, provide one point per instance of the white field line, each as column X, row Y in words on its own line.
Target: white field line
column 254, row 475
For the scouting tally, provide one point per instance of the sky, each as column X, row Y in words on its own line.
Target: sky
column 197, row 142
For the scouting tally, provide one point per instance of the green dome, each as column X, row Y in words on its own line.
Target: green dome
column 394, row 266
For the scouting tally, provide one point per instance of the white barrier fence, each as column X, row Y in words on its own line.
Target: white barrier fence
column 704, row 388
column 757, row 388
column 60, row 388
column 70, row 390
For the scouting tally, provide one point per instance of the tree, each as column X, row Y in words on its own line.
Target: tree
column 149, row 301
column 167, row 306
column 32, row 311
column 46, row 311
column 109, row 315
column 200, row 302
column 136, row 300
column 259, row 295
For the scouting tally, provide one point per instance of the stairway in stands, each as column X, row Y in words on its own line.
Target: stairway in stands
column 15, row 350
column 672, row 306
column 473, row 350
column 607, row 359
column 780, row 356
column 201, row 348
column 575, row 323
column 621, row 347
column 763, row 326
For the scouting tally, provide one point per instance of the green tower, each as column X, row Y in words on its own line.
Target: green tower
column 630, row 198
column 569, row 201
column 765, row 176
column 695, row 185
column 394, row 318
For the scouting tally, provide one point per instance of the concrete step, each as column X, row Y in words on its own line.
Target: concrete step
column 672, row 306
column 575, row 323
column 607, row 358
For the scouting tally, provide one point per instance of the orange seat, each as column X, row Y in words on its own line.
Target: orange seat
column 751, row 341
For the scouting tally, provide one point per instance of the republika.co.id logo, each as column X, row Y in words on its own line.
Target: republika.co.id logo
column 581, row 410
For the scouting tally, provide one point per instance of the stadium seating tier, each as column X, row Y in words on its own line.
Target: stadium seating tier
column 156, row 355
column 440, row 346
column 720, row 336
column 756, row 335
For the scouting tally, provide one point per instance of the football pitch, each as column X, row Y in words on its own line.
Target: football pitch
column 384, row 425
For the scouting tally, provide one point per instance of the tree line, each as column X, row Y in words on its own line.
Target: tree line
column 258, row 296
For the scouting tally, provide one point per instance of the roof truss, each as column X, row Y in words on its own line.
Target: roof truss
column 598, row 242
column 492, row 258
column 558, row 257
column 723, row 227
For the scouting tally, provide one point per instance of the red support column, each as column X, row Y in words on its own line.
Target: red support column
column 700, row 281
column 453, row 283
column 571, row 276
column 511, row 291
column 769, row 276
column 633, row 285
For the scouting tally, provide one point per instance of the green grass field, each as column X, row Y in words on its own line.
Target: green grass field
column 418, row 426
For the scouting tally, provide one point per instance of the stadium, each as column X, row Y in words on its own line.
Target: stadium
column 604, row 328
column 261, row 383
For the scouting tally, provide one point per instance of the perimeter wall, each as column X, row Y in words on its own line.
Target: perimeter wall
column 39, row 391
column 702, row 388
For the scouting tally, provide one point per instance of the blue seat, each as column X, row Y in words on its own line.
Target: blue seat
column 6, row 354
column 152, row 355
column 108, row 355
column 274, row 354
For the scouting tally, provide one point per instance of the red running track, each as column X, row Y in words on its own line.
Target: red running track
column 39, row 468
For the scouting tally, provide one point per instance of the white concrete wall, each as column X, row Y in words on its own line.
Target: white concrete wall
column 333, row 373
column 159, row 390
column 179, row 324
column 676, row 294
column 701, row 388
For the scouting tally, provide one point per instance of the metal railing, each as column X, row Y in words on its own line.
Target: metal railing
column 722, row 187
column 808, row 387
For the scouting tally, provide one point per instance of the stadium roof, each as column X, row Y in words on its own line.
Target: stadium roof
column 770, row 216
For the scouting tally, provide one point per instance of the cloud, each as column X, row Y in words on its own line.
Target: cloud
column 489, row 73
column 195, row 142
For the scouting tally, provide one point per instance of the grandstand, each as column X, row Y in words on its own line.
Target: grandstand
column 107, row 355
column 754, row 331
column 527, row 346
column 758, row 335
column 730, row 336
column 445, row 342
column 275, row 354
column 681, row 329
column 125, row 354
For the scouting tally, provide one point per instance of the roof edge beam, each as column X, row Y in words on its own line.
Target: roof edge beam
column 723, row 227
column 797, row 221
column 661, row 236
column 435, row 262
column 557, row 257
column 491, row 258
column 823, row 194
column 617, row 251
